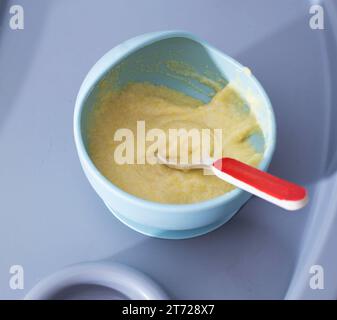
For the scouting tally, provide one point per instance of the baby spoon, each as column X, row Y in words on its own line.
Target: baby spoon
column 280, row 192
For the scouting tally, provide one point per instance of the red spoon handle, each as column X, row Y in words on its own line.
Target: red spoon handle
column 276, row 190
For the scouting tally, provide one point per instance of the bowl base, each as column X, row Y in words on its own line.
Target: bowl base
column 169, row 234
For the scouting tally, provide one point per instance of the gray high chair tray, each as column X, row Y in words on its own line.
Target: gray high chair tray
column 50, row 217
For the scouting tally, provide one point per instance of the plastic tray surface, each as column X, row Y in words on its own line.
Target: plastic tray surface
column 51, row 217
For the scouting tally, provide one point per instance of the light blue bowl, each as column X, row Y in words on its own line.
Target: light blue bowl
column 144, row 59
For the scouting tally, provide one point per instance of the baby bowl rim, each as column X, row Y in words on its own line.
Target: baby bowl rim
column 125, row 49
